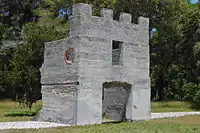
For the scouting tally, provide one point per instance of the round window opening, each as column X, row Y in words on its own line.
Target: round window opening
column 69, row 56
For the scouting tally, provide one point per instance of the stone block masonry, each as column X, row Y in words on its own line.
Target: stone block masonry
column 75, row 68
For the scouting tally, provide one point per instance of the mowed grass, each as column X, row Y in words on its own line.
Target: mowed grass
column 10, row 111
column 187, row 124
column 171, row 106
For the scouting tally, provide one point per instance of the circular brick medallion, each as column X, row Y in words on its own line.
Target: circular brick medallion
column 69, row 56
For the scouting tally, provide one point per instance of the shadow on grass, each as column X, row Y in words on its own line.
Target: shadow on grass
column 195, row 107
column 20, row 114
column 165, row 105
column 112, row 122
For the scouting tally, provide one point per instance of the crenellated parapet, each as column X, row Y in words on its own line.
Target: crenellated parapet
column 84, row 23
column 81, row 9
column 99, row 49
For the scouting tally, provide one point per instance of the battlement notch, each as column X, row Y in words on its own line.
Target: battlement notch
column 107, row 13
column 82, row 9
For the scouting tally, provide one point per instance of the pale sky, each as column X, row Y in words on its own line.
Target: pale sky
column 194, row 1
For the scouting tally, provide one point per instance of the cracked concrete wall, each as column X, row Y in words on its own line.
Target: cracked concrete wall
column 91, row 38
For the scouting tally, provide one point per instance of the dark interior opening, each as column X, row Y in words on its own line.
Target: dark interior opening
column 115, row 96
column 116, row 15
column 116, row 52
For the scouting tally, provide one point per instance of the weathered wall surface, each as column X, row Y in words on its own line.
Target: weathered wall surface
column 135, row 53
column 54, row 69
column 114, row 102
column 91, row 38
column 83, row 23
column 57, row 100
column 59, row 83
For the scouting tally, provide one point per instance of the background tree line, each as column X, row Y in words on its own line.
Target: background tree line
column 174, row 43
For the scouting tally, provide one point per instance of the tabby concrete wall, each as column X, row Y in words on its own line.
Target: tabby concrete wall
column 57, row 100
column 91, row 39
column 96, row 35
column 114, row 102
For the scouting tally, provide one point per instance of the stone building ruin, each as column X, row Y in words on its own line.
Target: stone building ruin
column 75, row 68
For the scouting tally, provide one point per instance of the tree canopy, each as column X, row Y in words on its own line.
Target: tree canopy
column 174, row 44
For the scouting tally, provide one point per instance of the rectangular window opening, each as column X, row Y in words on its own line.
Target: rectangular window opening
column 116, row 52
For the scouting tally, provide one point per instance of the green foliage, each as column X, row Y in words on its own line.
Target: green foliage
column 190, row 90
column 196, row 99
column 192, row 94
column 20, row 12
column 174, row 46
column 36, row 35
column 28, row 58
column 21, row 74
column 1, row 34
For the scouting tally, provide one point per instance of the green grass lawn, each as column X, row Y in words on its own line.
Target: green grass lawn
column 187, row 124
column 173, row 106
column 10, row 111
